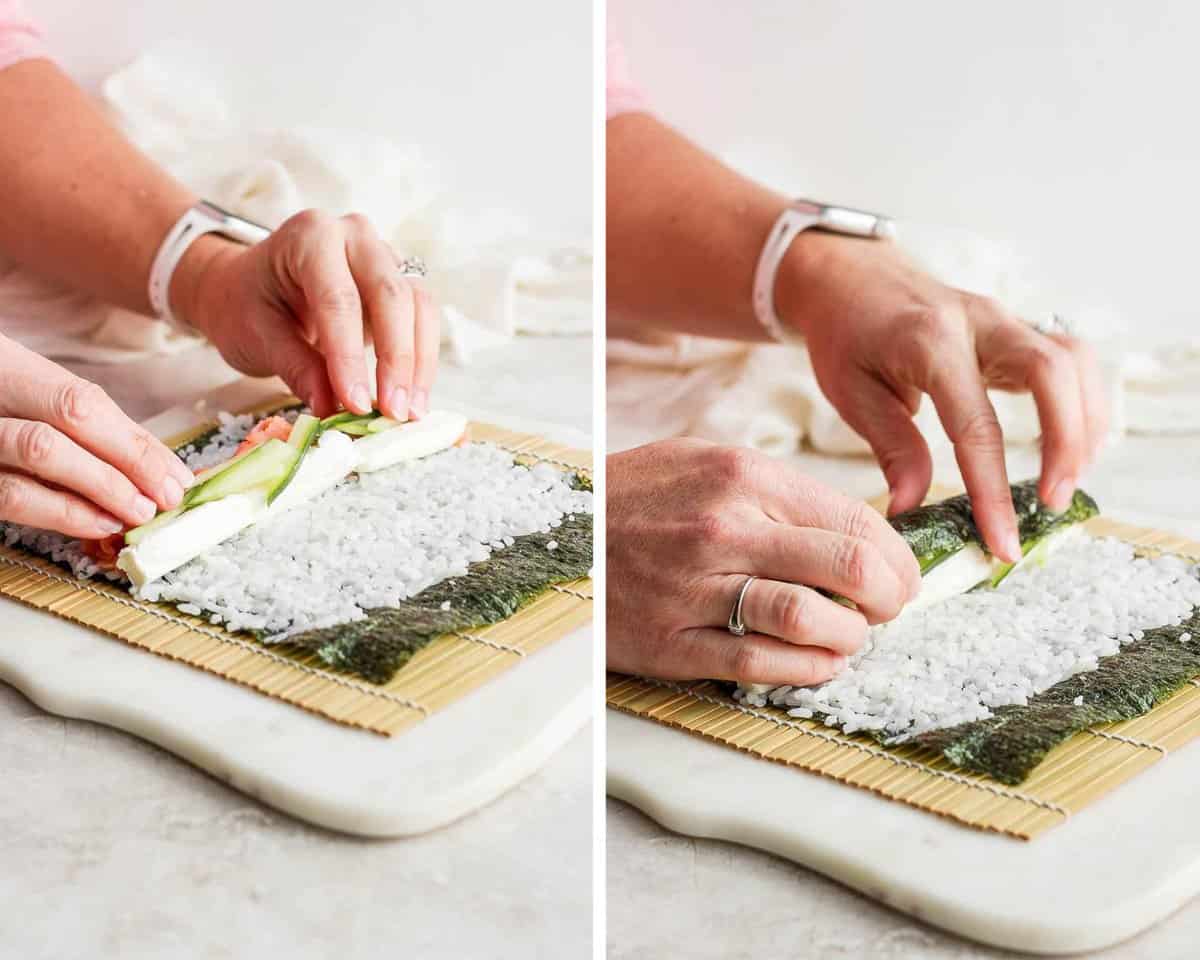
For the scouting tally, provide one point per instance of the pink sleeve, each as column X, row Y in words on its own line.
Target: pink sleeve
column 20, row 39
column 622, row 94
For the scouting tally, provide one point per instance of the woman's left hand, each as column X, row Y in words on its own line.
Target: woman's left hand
column 305, row 302
column 881, row 333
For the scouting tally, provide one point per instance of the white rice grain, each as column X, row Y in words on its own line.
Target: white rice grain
column 960, row 659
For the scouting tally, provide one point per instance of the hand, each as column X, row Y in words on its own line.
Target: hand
column 303, row 303
column 689, row 521
column 881, row 333
column 70, row 460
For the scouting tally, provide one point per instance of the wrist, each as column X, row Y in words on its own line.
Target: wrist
column 193, row 276
column 806, row 264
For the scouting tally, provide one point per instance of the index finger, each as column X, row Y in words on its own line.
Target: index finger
column 794, row 499
column 336, row 313
column 972, row 425
column 45, row 392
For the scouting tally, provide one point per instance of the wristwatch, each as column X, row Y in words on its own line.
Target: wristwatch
column 200, row 219
column 799, row 216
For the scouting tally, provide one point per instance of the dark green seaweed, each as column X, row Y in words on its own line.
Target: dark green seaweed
column 939, row 530
column 377, row 647
column 492, row 590
column 1008, row 745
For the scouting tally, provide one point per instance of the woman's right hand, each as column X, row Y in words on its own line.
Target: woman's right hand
column 688, row 521
column 70, row 460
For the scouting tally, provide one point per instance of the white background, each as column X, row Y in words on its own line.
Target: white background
column 1064, row 129
column 497, row 93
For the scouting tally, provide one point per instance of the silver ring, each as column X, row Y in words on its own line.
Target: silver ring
column 413, row 267
column 736, row 625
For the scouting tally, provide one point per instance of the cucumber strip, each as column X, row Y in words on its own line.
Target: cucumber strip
column 355, row 428
column 379, row 424
column 137, row 534
column 304, row 434
column 263, row 467
column 347, row 416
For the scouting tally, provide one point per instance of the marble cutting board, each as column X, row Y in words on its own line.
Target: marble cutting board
column 1117, row 867
column 328, row 774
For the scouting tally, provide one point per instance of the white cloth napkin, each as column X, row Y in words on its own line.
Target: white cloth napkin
column 495, row 275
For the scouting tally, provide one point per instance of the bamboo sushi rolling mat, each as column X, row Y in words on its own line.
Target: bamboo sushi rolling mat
column 436, row 676
column 1074, row 774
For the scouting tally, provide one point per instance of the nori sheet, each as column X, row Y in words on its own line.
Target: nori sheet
column 1010, row 744
column 492, row 590
column 376, row 648
column 939, row 530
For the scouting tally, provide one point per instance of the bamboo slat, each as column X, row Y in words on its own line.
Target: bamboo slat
column 443, row 672
column 1073, row 775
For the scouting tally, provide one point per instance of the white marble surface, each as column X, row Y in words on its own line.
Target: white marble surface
column 113, row 847
column 126, row 850
column 729, row 901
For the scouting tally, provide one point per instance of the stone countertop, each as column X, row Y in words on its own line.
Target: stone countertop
column 672, row 895
column 113, row 847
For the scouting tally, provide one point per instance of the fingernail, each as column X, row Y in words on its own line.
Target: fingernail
column 1012, row 547
column 110, row 525
column 399, row 403
column 172, row 491
column 420, row 403
column 144, row 509
column 839, row 664
column 360, row 398
column 180, row 471
column 1060, row 496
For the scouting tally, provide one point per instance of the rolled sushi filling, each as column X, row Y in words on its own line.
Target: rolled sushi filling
column 279, row 464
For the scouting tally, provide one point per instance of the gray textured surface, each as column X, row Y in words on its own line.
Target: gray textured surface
column 112, row 847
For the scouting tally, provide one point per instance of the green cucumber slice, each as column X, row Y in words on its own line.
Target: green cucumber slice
column 137, row 534
column 381, row 423
column 304, row 435
column 263, row 467
column 347, row 416
column 304, row 431
column 356, row 428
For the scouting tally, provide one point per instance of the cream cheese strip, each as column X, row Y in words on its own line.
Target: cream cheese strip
column 333, row 459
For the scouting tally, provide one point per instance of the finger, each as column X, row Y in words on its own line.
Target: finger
column 754, row 658
column 794, row 500
column 962, row 403
column 25, row 501
column 851, row 567
column 428, row 343
column 1092, row 391
column 37, row 449
column 886, row 423
column 788, row 612
column 303, row 369
column 334, row 311
column 388, row 305
column 1021, row 356
column 87, row 415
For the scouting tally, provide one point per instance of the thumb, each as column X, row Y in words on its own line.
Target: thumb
column 881, row 418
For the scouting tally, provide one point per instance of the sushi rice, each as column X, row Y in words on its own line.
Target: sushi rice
column 959, row 659
column 372, row 541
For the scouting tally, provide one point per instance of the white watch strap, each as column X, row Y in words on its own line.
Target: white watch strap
column 794, row 220
column 196, row 222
